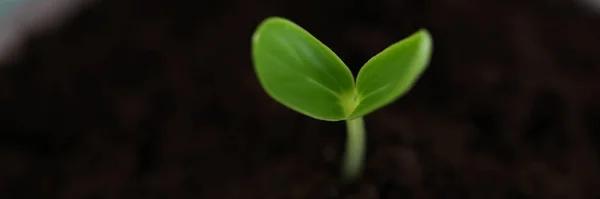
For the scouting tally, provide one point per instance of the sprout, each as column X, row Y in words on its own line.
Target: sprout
column 298, row 71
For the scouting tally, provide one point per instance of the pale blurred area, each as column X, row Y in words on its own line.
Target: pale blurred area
column 22, row 18
column 592, row 5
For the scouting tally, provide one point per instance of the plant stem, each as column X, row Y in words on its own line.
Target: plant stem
column 355, row 149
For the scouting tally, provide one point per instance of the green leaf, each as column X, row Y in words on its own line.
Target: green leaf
column 391, row 73
column 300, row 72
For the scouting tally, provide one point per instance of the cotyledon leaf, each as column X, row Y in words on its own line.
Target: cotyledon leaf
column 300, row 72
column 391, row 73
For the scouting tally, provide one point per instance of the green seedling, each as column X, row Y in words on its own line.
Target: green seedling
column 298, row 71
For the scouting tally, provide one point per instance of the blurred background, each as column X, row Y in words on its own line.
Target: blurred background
column 149, row 99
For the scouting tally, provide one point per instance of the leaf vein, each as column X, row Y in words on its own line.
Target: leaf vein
column 311, row 80
column 374, row 92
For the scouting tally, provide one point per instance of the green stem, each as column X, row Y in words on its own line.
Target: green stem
column 355, row 149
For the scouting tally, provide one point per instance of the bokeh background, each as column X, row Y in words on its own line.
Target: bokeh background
column 157, row 99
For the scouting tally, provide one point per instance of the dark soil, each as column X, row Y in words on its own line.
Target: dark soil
column 157, row 99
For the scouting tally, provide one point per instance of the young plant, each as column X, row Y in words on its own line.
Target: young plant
column 303, row 74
